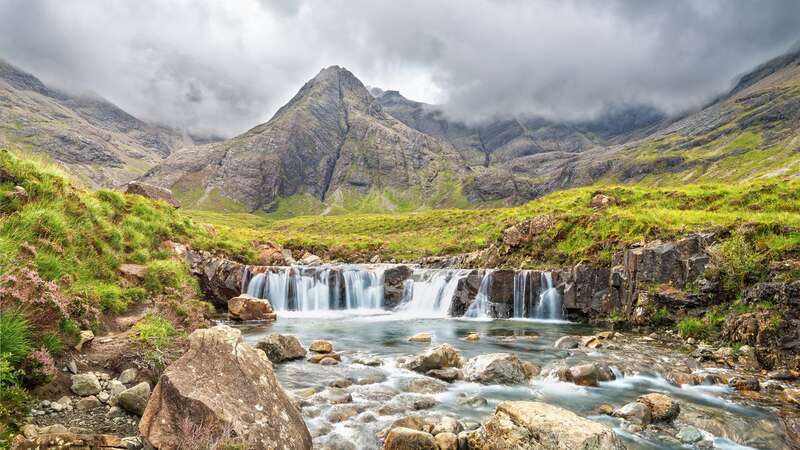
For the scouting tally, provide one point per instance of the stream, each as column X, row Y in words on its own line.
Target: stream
column 372, row 340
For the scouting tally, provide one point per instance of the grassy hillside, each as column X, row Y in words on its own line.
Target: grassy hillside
column 61, row 249
column 578, row 232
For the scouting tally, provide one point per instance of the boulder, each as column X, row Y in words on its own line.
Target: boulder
column 321, row 346
column 133, row 271
column 87, row 403
column 310, row 259
column 317, row 358
column 281, row 347
column 537, row 426
column 207, row 387
column 635, row 413
column 662, row 407
column 394, row 284
column 449, row 374
column 152, row 192
column 245, row 307
column 495, row 368
column 412, row 423
column 568, row 342
column 601, row 200
column 134, row 399
column 127, row 376
column 584, row 374
column 447, row 441
column 421, row 337
column 220, row 279
column 407, row 439
column 439, row 357
column 745, row 383
column 85, row 384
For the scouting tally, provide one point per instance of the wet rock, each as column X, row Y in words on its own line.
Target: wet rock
column 127, row 376
column 336, row 441
column 689, row 435
column 317, row 358
column 745, row 383
column 371, row 379
column 328, row 361
column 446, row 441
column 220, row 279
column 495, row 368
column 85, row 384
column 84, row 337
column 782, row 375
column 635, row 413
column 152, row 192
column 449, row 374
column 135, row 399
column 421, row 337
column 584, row 374
column 473, row 401
column 337, row 396
column 245, row 307
column 604, row 373
column 340, row 413
column 472, row 337
column 536, row 425
column 412, row 423
column 87, row 403
column 280, row 347
column 379, row 392
column 321, row 346
column 407, row 439
column 371, row 361
column 394, row 278
column 439, row 357
column 446, row 424
column 606, row 409
column 342, row 383
column 567, row 342
column 424, row 386
column 204, row 388
column 772, row 386
column 531, row 369
column 662, row 407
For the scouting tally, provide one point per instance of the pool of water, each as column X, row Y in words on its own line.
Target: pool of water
column 713, row 409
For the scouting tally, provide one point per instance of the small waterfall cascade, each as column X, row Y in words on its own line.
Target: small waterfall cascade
column 522, row 295
column 431, row 292
column 363, row 289
column 549, row 306
column 479, row 309
column 321, row 288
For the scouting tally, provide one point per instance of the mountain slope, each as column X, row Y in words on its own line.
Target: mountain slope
column 96, row 140
column 331, row 147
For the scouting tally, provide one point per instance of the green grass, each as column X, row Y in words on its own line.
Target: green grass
column 769, row 210
column 690, row 327
column 15, row 337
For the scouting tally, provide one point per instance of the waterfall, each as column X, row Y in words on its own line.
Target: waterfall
column 278, row 290
column 363, row 289
column 312, row 290
column 431, row 292
column 479, row 309
column 549, row 306
column 521, row 294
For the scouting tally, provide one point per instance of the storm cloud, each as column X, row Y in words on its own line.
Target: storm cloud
column 221, row 67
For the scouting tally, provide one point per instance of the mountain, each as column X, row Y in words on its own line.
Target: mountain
column 331, row 147
column 89, row 136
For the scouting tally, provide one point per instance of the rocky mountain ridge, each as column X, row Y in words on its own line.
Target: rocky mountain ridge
column 93, row 138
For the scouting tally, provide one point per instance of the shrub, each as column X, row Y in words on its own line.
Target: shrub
column 737, row 261
column 52, row 342
column 691, row 327
column 15, row 338
column 155, row 333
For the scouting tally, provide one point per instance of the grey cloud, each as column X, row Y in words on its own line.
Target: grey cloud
column 479, row 58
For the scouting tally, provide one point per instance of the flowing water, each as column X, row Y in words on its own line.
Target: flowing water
column 384, row 336
column 312, row 306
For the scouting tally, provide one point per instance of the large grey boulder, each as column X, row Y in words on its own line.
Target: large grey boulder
column 495, row 368
column 539, row 426
column 152, row 192
column 222, row 384
column 281, row 347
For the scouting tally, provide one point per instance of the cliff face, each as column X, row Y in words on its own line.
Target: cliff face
column 94, row 139
column 332, row 140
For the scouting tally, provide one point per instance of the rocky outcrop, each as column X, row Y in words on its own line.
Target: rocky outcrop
column 245, row 307
column 203, row 389
column 394, row 279
column 220, row 279
column 539, row 426
column 152, row 192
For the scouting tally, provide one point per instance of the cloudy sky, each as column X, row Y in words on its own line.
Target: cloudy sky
column 223, row 66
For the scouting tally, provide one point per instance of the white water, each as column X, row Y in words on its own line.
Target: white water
column 363, row 289
column 479, row 309
column 430, row 294
column 521, row 295
column 549, row 306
